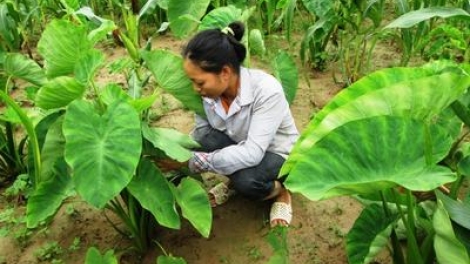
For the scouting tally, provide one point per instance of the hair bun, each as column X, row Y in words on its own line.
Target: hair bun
column 238, row 29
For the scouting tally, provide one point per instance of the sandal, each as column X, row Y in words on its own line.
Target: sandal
column 221, row 193
column 280, row 211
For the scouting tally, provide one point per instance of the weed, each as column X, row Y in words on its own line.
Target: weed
column 49, row 252
column 14, row 225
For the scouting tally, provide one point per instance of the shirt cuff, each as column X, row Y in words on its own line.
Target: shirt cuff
column 199, row 162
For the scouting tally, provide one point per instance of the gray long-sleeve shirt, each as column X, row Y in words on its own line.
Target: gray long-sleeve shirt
column 259, row 120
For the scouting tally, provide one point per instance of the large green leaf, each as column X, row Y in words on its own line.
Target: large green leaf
column 414, row 17
column 52, row 149
column 372, row 154
column 48, row 197
column 369, row 234
column 458, row 211
column 285, row 70
column 19, row 66
column 59, row 92
column 448, row 248
column 421, row 97
column 88, row 65
column 113, row 92
column 167, row 68
column 175, row 144
column 220, row 17
column 183, row 15
column 194, row 203
column 256, row 42
column 319, row 8
column 61, row 45
column 151, row 189
column 102, row 150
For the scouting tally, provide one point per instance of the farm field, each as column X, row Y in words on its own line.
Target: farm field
column 94, row 93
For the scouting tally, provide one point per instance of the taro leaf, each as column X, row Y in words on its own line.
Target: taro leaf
column 256, row 42
column 19, row 66
column 48, row 197
column 194, row 203
column 319, row 8
column 105, row 26
column 459, row 212
column 286, row 71
column 151, row 189
column 102, row 150
column 170, row 260
column 448, row 248
column 382, row 93
column 113, row 92
column 167, row 68
column 370, row 155
column 180, row 11
column 93, row 256
column 174, row 143
column 88, row 65
column 149, row 7
column 412, row 18
column 53, row 147
column 369, row 234
column 61, row 45
column 462, row 157
column 59, row 92
column 220, row 17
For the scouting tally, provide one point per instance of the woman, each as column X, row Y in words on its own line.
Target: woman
column 248, row 130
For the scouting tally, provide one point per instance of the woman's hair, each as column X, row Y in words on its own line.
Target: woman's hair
column 212, row 49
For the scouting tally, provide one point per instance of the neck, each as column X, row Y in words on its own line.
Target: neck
column 232, row 90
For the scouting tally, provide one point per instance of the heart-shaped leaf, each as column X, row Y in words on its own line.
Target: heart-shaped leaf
column 61, row 45
column 19, row 66
column 102, row 150
column 167, row 68
column 373, row 154
column 194, row 203
column 151, row 189
column 59, row 92
column 48, row 197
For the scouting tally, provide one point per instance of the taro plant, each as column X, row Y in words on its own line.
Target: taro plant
column 420, row 21
column 95, row 139
column 385, row 139
column 13, row 157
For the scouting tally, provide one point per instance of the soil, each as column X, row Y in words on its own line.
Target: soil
column 316, row 235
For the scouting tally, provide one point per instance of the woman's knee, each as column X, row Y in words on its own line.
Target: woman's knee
column 250, row 187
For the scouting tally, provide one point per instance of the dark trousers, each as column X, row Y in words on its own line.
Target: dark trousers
column 256, row 182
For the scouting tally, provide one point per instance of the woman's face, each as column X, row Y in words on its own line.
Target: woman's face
column 207, row 84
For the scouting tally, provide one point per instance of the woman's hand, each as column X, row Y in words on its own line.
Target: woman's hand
column 166, row 165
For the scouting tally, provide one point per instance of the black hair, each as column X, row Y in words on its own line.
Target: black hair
column 212, row 49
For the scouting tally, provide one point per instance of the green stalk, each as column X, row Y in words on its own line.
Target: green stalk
column 31, row 134
column 11, row 146
column 414, row 255
column 397, row 253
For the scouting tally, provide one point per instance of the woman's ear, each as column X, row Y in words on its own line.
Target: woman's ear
column 226, row 72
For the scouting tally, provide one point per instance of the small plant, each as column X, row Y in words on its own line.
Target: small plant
column 50, row 251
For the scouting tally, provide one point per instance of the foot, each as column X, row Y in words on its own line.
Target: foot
column 281, row 210
column 219, row 194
